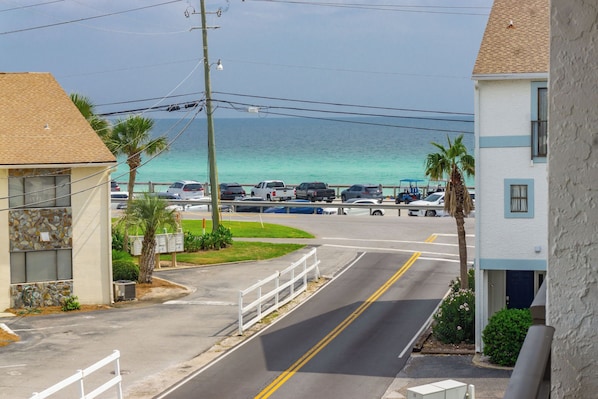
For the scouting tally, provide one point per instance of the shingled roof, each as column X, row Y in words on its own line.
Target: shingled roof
column 40, row 125
column 516, row 40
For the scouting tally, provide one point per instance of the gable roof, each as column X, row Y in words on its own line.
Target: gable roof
column 40, row 125
column 516, row 40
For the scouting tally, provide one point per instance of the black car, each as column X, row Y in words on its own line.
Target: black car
column 231, row 191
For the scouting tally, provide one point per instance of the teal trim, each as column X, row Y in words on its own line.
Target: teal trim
column 504, row 141
column 512, row 264
column 530, row 199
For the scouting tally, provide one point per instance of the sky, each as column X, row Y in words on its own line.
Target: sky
column 279, row 57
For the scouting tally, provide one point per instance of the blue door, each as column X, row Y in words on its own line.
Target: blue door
column 520, row 289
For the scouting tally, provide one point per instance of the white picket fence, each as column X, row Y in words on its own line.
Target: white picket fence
column 80, row 375
column 283, row 287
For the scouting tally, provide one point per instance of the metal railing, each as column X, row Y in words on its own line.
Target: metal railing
column 282, row 288
column 80, row 375
column 531, row 375
column 151, row 187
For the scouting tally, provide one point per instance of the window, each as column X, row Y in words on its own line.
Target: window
column 36, row 266
column 539, row 120
column 39, row 191
column 519, row 198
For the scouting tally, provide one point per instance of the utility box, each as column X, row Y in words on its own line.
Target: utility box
column 452, row 389
column 428, row 391
column 124, row 290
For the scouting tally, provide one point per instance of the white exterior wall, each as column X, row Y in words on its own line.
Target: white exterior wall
column 4, row 242
column 572, row 296
column 505, row 110
column 503, row 151
column 92, row 255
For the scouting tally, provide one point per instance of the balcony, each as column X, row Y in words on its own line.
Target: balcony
column 539, row 139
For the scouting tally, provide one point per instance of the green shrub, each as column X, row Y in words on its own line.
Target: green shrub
column 454, row 323
column 70, row 303
column 121, row 255
column 221, row 238
column 118, row 239
column 504, row 335
column 124, row 270
column 456, row 284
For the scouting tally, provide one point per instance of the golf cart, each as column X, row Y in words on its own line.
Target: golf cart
column 408, row 191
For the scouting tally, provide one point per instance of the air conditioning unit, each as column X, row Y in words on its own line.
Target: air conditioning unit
column 447, row 389
column 124, row 290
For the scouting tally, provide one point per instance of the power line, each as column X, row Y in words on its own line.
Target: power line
column 88, row 18
column 385, row 7
column 31, row 5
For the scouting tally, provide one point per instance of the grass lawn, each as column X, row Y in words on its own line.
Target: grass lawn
column 248, row 229
column 240, row 250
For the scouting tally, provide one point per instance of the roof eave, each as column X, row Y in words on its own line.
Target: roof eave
column 511, row 76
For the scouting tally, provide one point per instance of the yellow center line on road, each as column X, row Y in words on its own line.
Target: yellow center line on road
column 303, row 360
column 432, row 238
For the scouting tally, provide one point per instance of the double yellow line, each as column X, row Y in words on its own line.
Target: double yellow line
column 295, row 367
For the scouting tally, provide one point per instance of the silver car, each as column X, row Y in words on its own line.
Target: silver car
column 363, row 191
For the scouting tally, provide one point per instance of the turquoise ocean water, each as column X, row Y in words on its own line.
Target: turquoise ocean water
column 340, row 152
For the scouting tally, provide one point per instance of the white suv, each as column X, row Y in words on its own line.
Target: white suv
column 186, row 189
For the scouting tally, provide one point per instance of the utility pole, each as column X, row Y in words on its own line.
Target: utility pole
column 214, row 189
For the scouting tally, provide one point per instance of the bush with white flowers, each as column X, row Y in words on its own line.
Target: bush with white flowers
column 454, row 323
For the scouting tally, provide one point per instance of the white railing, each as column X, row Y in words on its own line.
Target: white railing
column 80, row 375
column 284, row 286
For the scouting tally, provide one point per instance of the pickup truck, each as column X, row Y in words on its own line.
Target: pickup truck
column 273, row 190
column 315, row 191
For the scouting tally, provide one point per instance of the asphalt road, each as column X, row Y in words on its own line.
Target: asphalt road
column 162, row 343
column 349, row 340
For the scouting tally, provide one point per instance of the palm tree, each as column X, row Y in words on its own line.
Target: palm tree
column 131, row 137
column 151, row 215
column 87, row 109
column 453, row 162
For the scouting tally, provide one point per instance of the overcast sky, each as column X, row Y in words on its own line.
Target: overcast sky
column 399, row 54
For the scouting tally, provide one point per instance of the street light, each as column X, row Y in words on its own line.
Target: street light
column 211, row 139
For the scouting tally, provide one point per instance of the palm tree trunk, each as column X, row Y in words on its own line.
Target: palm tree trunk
column 459, row 191
column 147, row 259
column 462, row 251
column 134, row 162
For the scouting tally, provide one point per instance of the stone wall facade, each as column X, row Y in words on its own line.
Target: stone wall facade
column 37, row 295
column 39, row 229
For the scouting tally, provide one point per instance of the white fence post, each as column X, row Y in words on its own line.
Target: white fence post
column 81, row 374
column 283, row 292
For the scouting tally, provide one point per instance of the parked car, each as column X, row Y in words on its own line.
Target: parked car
column 363, row 191
column 362, row 210
column 231, row 191
column 119, row 199
column 114, row 186
column 315, row 191
column 295, row 209
column 273, row 190
column 169, row 197
column 203, row 205
column 187, row 189
column 251, row 207
column 430, row 200
column 441, row 212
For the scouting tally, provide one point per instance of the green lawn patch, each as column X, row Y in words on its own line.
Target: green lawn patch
column 248, row 229
column 238, row 252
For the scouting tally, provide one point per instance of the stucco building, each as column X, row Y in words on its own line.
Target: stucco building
column 511, row 136
column 54, row 198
